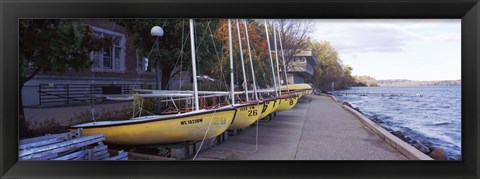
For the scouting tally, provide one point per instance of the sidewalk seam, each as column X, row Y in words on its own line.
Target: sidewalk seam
column 301, row 133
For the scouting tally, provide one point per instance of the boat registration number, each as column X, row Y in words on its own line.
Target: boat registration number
column 193, row 121
column 216, row 121
column 247, row 108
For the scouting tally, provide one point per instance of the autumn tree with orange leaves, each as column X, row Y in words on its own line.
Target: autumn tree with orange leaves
column 258, row 48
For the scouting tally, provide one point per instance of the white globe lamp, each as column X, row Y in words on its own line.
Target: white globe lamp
column 157, row 31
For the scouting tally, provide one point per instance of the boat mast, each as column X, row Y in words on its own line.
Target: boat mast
column 241, row 57
column 271, row 60
column 251, row 61
column 283, row 59
column 231, row 61
column 276, row 57
column 194, row 66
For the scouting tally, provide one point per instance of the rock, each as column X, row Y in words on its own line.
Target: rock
column 347, row 104
column 408, row 139
column 432, row 148
column 438, row 154
column 358, row 109
column 429, row 145
column 399, row 134
column 422, row 148
column 378, row 121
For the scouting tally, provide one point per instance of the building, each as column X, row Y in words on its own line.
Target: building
column 301, row 67
column 114, row 70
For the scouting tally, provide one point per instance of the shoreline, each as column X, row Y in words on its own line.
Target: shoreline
column 397, row 143
column 402, row 146
column 425, row 144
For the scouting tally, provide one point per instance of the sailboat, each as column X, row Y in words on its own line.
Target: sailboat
column 248, row 111
column 199, row 124
column 286, row 101
column 301, row 88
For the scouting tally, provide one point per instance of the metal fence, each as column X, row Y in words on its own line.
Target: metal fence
column 78, row 93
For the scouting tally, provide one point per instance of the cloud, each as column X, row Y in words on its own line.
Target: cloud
column 361, row 36
column 396, row 49
column 413, row 24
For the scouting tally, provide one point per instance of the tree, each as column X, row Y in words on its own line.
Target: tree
column 349, row 79
column 295, row 35
column 53, row 45
column 365, row 81
column 258, row 47
column 330, row 68
column 329, row 64
column 171, row 44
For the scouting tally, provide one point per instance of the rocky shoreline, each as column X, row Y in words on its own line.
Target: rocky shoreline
column 437, row 153
column 426, row 147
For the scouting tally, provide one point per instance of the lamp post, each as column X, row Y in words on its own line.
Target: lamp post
column 333, row 86
column 158, row 32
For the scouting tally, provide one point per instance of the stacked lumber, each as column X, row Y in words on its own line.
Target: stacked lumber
column 67, row 146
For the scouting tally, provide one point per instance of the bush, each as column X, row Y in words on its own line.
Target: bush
column 105, row 115
column 35, row 129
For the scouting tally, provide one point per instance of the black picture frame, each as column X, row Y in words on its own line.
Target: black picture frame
column 467, row 10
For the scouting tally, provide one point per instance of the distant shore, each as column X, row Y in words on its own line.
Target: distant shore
column 368, row 81
column 404, row 82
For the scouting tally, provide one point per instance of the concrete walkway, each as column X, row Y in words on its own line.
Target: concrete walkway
column 317, row 130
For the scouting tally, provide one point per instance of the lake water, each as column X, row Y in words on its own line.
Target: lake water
column 430, row 115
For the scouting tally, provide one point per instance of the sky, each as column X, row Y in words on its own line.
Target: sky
column 414, row 49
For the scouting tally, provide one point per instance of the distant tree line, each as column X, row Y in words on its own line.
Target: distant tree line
column 365, row 81
column 404, row 82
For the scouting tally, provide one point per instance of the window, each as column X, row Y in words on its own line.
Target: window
column 299, row 59
column 143, row 64
column 109, row 59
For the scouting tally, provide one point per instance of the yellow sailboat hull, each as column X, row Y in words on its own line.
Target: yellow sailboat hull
column 301, row 93
column 160, row 129
column 302, row 88
column 268, row 108
column 246, row 115
column 287, row 103
column 275, row 107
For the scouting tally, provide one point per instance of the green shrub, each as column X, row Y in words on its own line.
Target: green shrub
column 105, row 115
column 35, row 129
